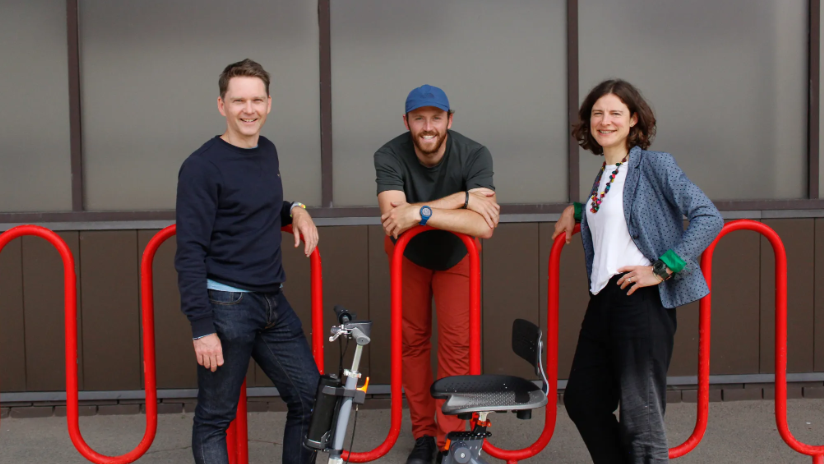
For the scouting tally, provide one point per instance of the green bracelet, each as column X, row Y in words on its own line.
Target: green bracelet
column 579, row 208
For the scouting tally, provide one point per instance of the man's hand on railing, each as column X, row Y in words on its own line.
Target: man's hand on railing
column 304, row 227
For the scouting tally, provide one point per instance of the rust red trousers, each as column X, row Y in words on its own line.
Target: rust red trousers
column 450, row 290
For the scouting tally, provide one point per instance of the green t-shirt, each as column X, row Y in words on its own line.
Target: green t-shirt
column 465, row 165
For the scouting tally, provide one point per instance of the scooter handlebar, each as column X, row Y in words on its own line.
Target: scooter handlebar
column 343, row 314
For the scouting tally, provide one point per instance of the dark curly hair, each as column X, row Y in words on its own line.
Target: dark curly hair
column 641, row 134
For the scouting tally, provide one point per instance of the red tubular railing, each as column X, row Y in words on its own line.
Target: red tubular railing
column 237, row 436
column 816, row 452
column 237, row 439
column 552, row 362
column 551, row 366
column 396, row 276
column 70, row 304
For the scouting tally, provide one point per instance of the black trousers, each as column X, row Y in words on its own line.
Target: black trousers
column 622, row 357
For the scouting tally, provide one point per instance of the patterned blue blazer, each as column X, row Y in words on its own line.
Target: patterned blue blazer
column 657, row 196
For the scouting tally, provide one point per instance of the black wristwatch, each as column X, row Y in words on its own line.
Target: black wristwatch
column 659, row 268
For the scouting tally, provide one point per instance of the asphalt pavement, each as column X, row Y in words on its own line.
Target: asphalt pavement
column 738, row 432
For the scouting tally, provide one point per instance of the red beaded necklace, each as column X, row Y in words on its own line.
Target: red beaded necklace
column 596, row 201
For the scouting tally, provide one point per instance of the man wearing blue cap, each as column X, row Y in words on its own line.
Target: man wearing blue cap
column 434, row 176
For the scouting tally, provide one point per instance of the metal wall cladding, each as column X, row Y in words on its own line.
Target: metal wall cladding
column 356, row 275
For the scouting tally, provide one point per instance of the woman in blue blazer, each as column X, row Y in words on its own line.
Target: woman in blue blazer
column 641, row 264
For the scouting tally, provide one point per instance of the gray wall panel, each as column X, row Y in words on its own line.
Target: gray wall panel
column 699, row 74
column 12, row 319
column 471, row 49
column 35, row 157
column 162, row 60
column 820, row 118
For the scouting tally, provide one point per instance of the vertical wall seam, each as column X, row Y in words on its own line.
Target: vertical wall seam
column 325, row 47
column 813, row 90
column 573, row 165
column 75, row 119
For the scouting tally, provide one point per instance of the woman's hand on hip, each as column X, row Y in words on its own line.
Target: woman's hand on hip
column 637, row 277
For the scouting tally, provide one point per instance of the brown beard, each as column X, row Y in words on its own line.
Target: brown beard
column 438, row 142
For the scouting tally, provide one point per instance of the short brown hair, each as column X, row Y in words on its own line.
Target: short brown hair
column 245, row 68
column 641, row 134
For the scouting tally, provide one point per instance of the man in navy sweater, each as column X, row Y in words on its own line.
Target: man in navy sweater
column 230, row 209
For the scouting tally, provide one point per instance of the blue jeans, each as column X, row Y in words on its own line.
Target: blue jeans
column 622, row 357
column 262, row 326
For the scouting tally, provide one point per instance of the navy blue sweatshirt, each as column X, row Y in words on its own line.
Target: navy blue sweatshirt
column 229, row 213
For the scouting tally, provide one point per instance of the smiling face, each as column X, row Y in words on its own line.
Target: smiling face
column 428, row 126
column 610, row 122
column 245, row 106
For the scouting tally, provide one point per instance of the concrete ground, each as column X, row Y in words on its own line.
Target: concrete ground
column 742, row 431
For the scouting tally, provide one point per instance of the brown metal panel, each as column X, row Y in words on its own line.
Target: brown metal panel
column 176, row 363
column 735, row 302
column 12, row 326
column 573, row 298
column 255, row 376
column 298, row 291
column 685, row 350
column 798, row 238
column 346, row 282
column 111, row 312
column 379, row 307
column 44, row 313
column 510, row 291
column 819, row 295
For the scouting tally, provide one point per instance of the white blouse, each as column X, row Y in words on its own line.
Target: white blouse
column 612, row 244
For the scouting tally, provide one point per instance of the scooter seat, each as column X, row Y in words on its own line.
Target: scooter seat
column 480, row 393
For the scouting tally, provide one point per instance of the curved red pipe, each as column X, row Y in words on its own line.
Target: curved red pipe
column 513, row 456
column 316, row 277
column 238, row 435
column 554, row 284
column 816, row 452
column 70, row 304
column 396, row 340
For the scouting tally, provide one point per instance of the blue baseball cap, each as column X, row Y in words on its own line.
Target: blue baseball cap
column 427, row 95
